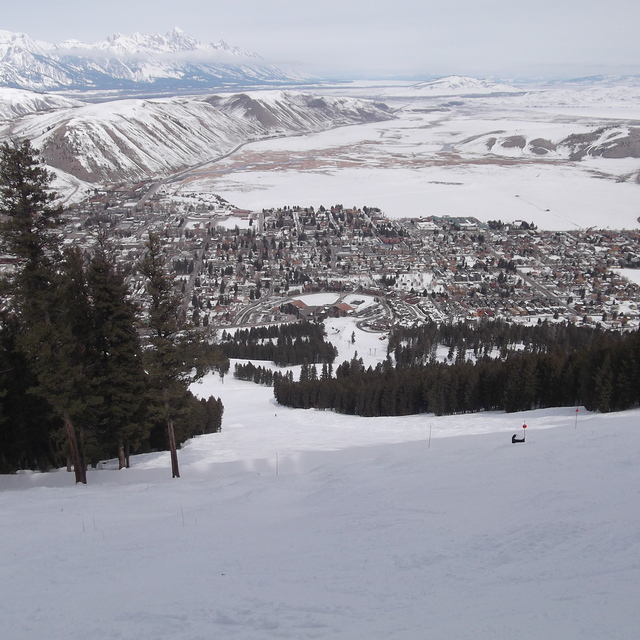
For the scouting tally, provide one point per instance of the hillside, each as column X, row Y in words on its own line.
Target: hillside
column 130, row 140
column 462, row 86
column 15, row 103
column 293, row 524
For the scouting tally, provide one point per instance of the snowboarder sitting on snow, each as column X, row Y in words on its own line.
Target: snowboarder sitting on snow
column 515, row 438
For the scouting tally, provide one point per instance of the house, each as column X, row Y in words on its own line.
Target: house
column 340, row 310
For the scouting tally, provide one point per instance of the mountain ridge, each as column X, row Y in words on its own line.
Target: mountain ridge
column 130, row 140
column 173, row 42
column 171, row 62
column 461, row 85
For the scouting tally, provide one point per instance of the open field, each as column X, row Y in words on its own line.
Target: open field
column 435, row 160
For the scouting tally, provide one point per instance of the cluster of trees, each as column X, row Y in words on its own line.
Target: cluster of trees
column 603, row 374
column 268, row 377
column 259, row 375
column 284, row 345
column 183, row 266
column 418, row 345
column 499, row 225
column 76, row 382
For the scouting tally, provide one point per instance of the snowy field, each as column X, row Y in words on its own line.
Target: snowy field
column 306, row 524
column 433, row 160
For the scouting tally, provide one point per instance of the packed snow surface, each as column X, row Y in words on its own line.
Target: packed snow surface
column 307, row 524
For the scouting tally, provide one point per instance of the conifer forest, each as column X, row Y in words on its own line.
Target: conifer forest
column 490, row 366
column 84, row 374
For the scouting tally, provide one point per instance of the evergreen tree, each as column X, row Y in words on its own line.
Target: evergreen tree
column 26, row 420
column 119, row 366
column 30, row 217
column 164, row 321
column 177, row 357
column 63, row 354
column 38, row 302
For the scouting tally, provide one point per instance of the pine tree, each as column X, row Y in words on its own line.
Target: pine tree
column 36, row 297
column 119, row 365
column 27, row 231
column 162, row 360
column 63, row 355
column 27, row 203
column 26, row 420
column 177, row 357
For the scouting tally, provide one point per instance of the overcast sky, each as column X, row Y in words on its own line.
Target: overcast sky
column 371, row 38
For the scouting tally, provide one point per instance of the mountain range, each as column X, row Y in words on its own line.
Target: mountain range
column 155, row 63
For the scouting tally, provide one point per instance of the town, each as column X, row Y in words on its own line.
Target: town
column 244, row 268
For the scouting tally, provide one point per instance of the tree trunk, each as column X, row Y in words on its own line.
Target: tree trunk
column 74, row 451
column 127, row 455
column 175, row 472
column 171, row 436
column 83, row 460
column 122, row 463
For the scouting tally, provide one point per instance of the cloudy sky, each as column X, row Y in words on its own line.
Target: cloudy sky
column 371, row 38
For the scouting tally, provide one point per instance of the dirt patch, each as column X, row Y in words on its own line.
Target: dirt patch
column 513, row 142
column 626, row 147
column 541, row 146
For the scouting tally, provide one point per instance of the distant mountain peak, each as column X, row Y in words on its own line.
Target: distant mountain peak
column 136, row 62
column 175, row 41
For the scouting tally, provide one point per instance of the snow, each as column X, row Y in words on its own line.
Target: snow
column 307, row 524
column 141, row 58
column 16, row 102
column 429, row 162
column 459, row 86
column 437, row 157
column 633, row 275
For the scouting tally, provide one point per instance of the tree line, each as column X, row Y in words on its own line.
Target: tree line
column 285, row 345
column 259, row 374
column 418, row 345
column 602, row 374
column 77, row 382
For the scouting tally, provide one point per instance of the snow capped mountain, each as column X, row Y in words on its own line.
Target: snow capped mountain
column 175, row 61
column 138, row 44
column 25, row 64
column 136, row 139
column 614, row 141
